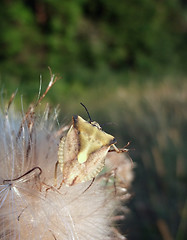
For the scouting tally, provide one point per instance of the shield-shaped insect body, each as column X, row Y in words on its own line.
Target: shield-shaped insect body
column 82, row 151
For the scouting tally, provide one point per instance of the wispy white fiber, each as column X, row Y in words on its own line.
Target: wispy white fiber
column 30, row 207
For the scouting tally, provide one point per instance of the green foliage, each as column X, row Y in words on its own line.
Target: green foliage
column 69, row 36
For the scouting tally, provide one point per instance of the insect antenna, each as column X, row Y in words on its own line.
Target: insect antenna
column 86, row 111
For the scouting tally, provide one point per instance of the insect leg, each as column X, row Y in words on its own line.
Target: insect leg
column 25, row 177
column 119, row 150
column 89, row 185
column 55, row 175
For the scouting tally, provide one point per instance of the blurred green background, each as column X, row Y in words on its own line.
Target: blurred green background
column 126, row 61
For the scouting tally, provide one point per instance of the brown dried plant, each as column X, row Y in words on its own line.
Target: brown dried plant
column 30, row 205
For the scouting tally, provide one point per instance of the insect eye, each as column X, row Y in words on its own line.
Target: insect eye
column 95, row 124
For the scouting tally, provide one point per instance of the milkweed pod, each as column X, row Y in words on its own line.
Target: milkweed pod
column 82, row 151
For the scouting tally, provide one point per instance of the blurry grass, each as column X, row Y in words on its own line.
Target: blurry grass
column 154, row 117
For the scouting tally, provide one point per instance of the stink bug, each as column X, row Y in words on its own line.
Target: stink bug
column 82, row 152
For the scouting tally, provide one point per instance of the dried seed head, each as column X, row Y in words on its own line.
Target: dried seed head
column 30, row 207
